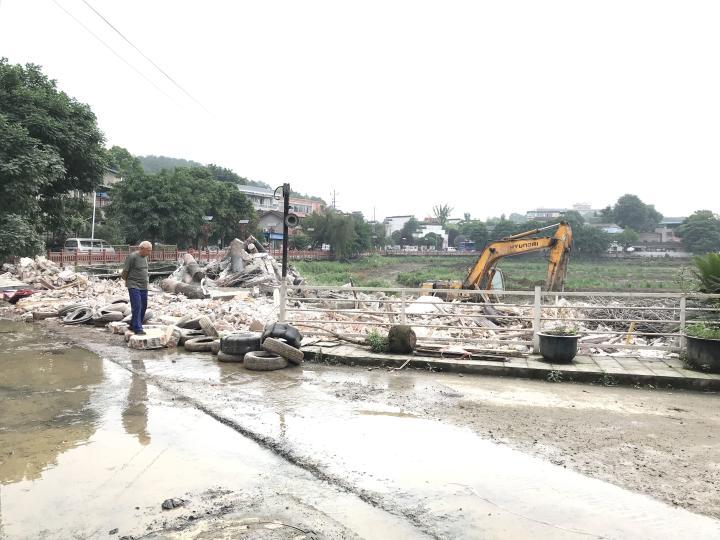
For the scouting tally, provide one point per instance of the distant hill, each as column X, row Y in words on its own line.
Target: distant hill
column 153, row 164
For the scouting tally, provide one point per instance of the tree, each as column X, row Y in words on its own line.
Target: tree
column 299, row 241
column 152, row 164
column 589, row 241
column 700, row 232
column 433, row 240
column 503, row 228
column 466, row 216
column 122, row 161
column 411, row 227
column 631, row 212
column 334, row 228
column 18, row 238
column 475, row 231
column 442, row 213
column 170, row 206
column 50, row 146
column 626, row 238
column 574, row 219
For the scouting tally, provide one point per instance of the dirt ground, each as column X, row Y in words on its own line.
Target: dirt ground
column 664, row 443
column 439, row 454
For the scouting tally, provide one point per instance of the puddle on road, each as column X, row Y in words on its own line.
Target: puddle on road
column 87, row 447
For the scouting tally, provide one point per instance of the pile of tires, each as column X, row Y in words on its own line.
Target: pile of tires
column 79, row 315
column 234, row 347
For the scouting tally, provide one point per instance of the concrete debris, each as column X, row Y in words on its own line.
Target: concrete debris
column 212, row 291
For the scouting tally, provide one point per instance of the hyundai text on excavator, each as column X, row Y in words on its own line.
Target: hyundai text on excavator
column 484, row 274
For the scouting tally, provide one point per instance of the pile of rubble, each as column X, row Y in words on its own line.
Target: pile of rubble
column 40, row 273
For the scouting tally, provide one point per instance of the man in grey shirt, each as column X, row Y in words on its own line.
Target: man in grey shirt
column 135, row 274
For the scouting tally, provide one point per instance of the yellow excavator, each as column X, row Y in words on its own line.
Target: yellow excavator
column 485, row 276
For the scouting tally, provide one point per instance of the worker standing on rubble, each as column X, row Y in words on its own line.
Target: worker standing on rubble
column 135, row 274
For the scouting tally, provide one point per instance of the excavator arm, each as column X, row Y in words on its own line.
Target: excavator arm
column 559, row 245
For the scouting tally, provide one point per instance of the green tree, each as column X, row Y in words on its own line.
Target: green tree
column 708, row 272
column 411, row 227
column 442, row 213
column 700, row 232
column 18, row 238
column 50, row 144
column 170, row 206
column 475, row 231
column 152, row 164
column 630, row 212
column 222, row 174
column 502, row 229
column 432, row 239
column 574, row 219
column 334, row 228
column 591, row 242
column 466, row 216
column 299, row 241
column 122, row 161
column 626, row 238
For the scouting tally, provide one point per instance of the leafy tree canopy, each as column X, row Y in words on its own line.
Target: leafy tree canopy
column 169, row 206
column 630, row 211
column 122, row 161
column 50, row 147
column 700, row 232
column 442, row 213
column 152, row 164
column 475, row 231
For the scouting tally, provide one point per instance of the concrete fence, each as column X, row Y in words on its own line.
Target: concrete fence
column 665, row 315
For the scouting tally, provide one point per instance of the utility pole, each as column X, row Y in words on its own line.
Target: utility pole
column 334, row 194
column 286, row 210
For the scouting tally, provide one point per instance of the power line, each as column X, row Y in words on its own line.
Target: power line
column 188, row 94
column 93, row 34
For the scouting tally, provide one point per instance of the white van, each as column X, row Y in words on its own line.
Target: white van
column 85, row 245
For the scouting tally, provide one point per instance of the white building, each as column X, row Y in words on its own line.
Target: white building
column 427, row 228
column 395, row 223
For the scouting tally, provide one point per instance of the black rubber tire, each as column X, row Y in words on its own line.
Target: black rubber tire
column 240, row 344
column 68, row 309
column 283, row 331
column 224, row 357
column 79, row 316
column 186, row 335
column 215, row 347
column 281, row 348
column 201, row 344
column 208, row 327
column 264, row 361
column 191, row 324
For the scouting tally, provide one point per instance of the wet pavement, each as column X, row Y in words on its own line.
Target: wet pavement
column 94, row 442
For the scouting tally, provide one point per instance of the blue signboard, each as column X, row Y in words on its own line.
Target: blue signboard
column 275, row 236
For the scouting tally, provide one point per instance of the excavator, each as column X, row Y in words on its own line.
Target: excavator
column 485, row 276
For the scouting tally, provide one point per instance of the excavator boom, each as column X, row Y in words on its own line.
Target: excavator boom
column 559, row 245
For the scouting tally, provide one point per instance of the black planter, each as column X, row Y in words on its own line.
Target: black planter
column 558, row 349
column 704, row 353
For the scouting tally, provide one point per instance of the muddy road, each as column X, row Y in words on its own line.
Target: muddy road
column 94, row 437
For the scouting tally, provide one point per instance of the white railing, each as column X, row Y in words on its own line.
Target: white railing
column 539, row 309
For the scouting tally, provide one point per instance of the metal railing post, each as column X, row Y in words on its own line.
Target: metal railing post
column 537, row 312
column 283, row 297
column 681, row 338
column 403, row 319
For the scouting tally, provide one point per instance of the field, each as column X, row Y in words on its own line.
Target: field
column 521, row 273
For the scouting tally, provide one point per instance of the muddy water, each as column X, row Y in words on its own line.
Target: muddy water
column 86, row 447
column 443, row 478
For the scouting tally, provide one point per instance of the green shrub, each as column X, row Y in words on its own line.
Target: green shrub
column 562, row 331
column 707, row 270
column 378, row 342
column 703, row 330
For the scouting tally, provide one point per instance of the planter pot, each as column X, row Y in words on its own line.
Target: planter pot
column 704, row 353
column 558, row 349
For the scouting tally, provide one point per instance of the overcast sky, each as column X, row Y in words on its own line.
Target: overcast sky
column 490, row 107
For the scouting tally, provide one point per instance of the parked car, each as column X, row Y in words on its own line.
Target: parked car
column 86, row 245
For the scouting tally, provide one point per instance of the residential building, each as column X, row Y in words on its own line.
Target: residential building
column 432, row 227
column 395, row 223
column 263, row 200
column 545, row 213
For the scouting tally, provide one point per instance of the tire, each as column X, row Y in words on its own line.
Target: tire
column 208, row 327
column 224, row 357
column 201, row 344
column 190, row 324
column 79, row 316
column 215, row 347
column 68, row 309
column 283, row 331
column 184, row 319
column 240, row 344
column 279, row 347
column 264, row 361
column 187, row 335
